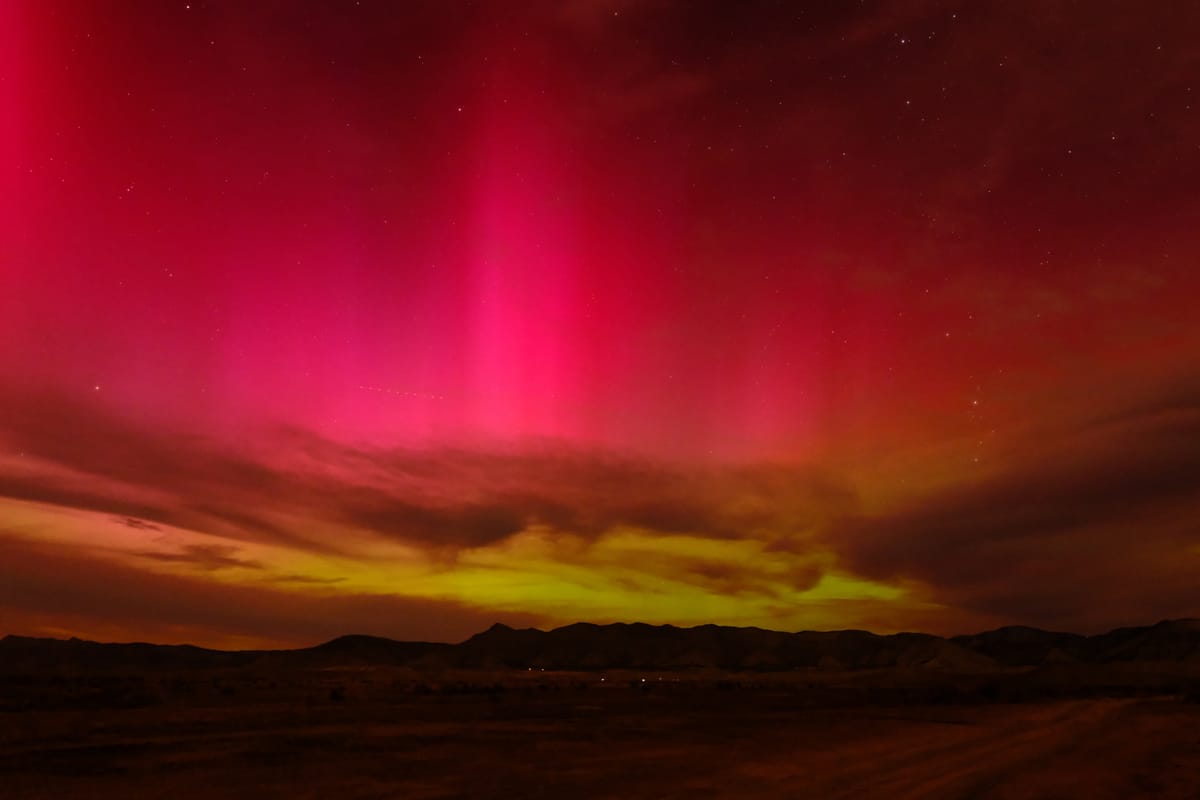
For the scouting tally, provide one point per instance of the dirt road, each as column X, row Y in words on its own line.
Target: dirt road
column 1093, row 749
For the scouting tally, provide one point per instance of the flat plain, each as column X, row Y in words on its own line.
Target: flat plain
column 390, row 733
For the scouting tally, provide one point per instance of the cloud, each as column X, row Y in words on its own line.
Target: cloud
column 1090, row 526
column 513, row 527
column 731, row 578
column 138, row 524
column 209, row 558
column 81, row 455
column 41, row 587
column 1094, row 527
column 440, row 497
column 309, row 579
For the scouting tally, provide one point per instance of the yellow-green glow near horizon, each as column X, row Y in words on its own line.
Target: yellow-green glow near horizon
column 625, row 574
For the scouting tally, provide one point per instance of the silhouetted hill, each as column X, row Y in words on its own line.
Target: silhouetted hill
column 359, row 650
column 638, row 645
column 1018, row 645
column 586, row 646
column 20, row 654
column 1169, row 640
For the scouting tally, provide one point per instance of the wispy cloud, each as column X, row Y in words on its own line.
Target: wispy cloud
column 1086, row 527
column 1092, row 528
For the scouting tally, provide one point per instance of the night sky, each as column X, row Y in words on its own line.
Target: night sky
column 403, row 318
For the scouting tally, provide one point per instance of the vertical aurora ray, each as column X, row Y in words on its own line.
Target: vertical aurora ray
column 524, row 303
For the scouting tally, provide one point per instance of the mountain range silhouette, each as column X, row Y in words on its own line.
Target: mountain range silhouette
column 587, row 646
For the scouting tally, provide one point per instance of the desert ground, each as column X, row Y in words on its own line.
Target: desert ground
column 377, row 733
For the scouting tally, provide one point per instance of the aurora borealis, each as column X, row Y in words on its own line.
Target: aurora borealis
column 405, row 318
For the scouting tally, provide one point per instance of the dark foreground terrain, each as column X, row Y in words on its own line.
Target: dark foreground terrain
column 619, row 711
column 387, row 733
